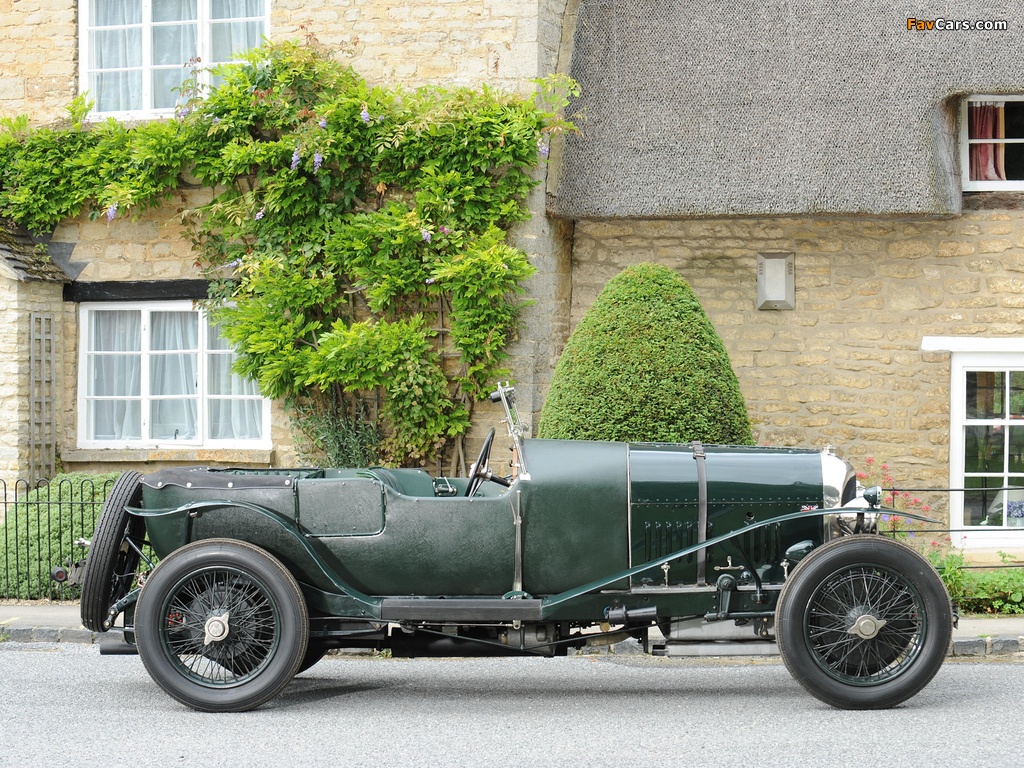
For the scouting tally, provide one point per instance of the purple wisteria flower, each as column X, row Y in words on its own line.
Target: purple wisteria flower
column 365, row 115
column 216, row 120
column 323, row 122
column 542, row 148
column 184, row 112
column 426, row 235
column 235, row 263
column 430, row 280
column 295, row 159
column 111, row 211
column 261, row 213
column 318, row 160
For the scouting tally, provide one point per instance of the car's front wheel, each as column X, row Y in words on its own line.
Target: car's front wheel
column 221, row 625
column 864, row 622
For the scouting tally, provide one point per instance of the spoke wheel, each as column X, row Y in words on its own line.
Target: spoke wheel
column 864, row 622
column 865, row 625
column 111, row 564
column 222, row 626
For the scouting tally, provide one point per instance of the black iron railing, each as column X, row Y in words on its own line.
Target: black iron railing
column 43, row 526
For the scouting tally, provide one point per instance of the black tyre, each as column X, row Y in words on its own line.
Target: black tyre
column 221, row 625
column 314, row 652
column 111, row 564
column 864, row 622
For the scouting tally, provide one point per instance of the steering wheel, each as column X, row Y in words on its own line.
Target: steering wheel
column 480, row 470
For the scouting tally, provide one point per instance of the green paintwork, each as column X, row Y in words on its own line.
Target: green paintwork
column 599, row 521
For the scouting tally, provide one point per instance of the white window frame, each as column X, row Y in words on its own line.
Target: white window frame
column 203, row 398
column 974, row 185
column 967, row 354
column 202, row 49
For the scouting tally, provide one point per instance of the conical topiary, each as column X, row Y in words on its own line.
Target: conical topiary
column 645, row 365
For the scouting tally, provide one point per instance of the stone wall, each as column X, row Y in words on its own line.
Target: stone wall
column 39, row 66
column 845, row 367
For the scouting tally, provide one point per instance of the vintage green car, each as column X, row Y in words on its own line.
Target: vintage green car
column 262, row 571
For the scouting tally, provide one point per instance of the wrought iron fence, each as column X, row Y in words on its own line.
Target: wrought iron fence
column 44, row 526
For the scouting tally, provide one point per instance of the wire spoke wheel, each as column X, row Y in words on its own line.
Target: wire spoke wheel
column 863, row 622
column 251, row 617
column 222, row 625
column 865, row 625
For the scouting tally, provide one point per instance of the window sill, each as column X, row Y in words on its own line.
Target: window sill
column 993, row 201
column 189, row 455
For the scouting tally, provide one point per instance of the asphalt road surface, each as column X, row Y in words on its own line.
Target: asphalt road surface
column 65, row 705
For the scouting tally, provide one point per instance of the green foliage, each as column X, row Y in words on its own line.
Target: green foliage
column 39, row 531
column 333, row 439
column 645, row 364
column 355, row 233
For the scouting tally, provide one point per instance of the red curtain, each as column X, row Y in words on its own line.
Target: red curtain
column 985, row 120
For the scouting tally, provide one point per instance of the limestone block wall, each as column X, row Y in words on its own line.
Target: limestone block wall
column 845, row 367
column 39, row 65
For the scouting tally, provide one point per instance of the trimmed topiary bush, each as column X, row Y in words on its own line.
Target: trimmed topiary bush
column 646, row 365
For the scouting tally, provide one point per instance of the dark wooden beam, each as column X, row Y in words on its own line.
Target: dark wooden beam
column 136, row 290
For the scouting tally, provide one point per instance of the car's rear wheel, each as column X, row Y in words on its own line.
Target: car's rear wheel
column 864, row 622
column 222, row 626
column 111, row 564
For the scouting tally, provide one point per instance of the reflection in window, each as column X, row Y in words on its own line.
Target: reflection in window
column 993, row 441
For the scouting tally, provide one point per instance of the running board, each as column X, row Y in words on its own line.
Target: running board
column 467, row 610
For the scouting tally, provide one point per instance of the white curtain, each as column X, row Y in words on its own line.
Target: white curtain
column 173, row 371
column 230, row 37
column 118, row 49
column 115, row 373
column 230, row 416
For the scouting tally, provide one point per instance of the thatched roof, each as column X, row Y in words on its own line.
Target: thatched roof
column 771, row 108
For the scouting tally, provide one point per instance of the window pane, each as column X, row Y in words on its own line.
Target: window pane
column 172, row 375
column 115, row 331
column 237, row 419
column 1013, row 161
column 1013, row 123
column 113, row 420
column 983, row 507
column 105, row 13
column 114, row 376
column 223, row 382
column 1016, row 449
column 174, row 10
column 116, row 49
column 116, row 91
column 174, row 44
column 174, row 330
column 236, row 9
column 984, row 449
column 213, row 338
column 227, row 38
column 173, row 420
column 164, row 83
column 986, row 394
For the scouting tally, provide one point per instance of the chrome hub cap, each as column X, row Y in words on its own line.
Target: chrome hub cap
column 867, row 626
column 216, row 628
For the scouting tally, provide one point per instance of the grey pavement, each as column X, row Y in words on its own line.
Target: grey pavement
column 43, row 622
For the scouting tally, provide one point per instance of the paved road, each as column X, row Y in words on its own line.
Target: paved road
column 64, row 705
